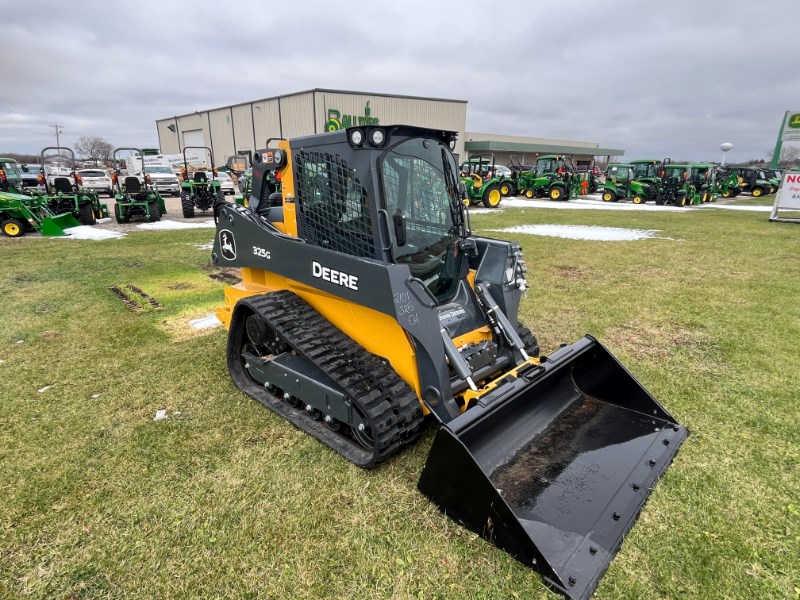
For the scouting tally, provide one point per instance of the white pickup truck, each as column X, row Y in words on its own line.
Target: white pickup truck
column 162, row 177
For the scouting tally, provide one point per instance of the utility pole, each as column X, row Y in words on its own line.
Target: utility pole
column 58, row 131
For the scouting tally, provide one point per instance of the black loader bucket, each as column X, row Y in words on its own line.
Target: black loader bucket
column 555, row 466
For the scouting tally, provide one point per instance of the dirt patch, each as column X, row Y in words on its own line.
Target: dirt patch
column 49, row 335
column 134, row 298
column 178, row 286
column 660, row 340
column 229, row 276
column 570, row 272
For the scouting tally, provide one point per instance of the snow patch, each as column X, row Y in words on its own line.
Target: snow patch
column 42, row 390
column 206, row 322
column 167, row 224
column 583, row 232
column 161, row 414
column 588, row 203
column 738, row 207
column 87, row 232
column 104, row 220
column 207, row 246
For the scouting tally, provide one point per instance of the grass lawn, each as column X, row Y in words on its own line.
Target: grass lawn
column 224, row 499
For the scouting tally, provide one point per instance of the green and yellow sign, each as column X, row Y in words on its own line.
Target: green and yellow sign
column 794, row 121
column 337, row 121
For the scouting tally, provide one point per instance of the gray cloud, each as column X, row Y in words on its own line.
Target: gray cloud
column 673, row 79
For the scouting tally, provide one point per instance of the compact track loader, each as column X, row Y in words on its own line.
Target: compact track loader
column 366, row 303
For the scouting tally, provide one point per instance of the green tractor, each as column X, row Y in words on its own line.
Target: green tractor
column 11, row 177
column 550, row 178
column 621, row 184
column 753, row 180
column 201, row 188
column 63, row 189
column 135, row 198
column 647, row 179
column 700, row 184
column 523, row 176
column 725, row 183
column 673, row 186
column 479, row 176
column 20, row 213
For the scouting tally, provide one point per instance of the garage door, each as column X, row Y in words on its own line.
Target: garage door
column 193, row 137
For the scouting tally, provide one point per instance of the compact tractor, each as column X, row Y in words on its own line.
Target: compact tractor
column 725, row 183
column 700, row 183
column 479, row 176
column 551, row 177
column 135, row 195
column 63, row 189
column 20, row 213
column 620, row 183
column 199, row 189
column 367, row 303
column 673, row 184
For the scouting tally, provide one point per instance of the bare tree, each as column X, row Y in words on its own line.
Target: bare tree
column 94, row 148
column 789, row 154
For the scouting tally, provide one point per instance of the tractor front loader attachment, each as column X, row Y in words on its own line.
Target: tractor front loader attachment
column 58, row 225
column 555, row 464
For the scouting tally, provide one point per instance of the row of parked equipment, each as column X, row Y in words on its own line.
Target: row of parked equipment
column 647, row 180
column 554, row 177
column 61, row 201
column 662, row 182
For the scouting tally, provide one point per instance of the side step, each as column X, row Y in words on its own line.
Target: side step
column 555, row 466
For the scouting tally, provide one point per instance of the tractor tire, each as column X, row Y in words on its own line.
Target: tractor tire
column 218, row 206
column 155, row 211
column 466, row 202
column 528, row 340
column 13, row 228
column 529, row 194
column 609, row 196
column 86, row 214
column 660, row 200
column 680, row 200
column 757, row 192
column 506, row 189
column 492, row 196
column 557, row 192
column 638, row 199
column 120, row 214
column 593, row 187
column 187, row 205
column 726, row 194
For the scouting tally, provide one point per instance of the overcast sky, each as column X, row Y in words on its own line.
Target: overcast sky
column 658, row 79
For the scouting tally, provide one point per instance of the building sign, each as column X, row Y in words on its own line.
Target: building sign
column 337, row 121
column 791, row 130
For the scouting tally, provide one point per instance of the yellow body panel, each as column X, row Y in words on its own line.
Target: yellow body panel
column 378, row 333
column 288, row 191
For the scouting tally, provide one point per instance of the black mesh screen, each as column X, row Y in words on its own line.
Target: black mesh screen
column 333, row 209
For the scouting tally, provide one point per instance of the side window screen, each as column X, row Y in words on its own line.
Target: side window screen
column 333, row 208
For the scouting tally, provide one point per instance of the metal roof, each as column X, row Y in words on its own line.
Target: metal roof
column 496, row 146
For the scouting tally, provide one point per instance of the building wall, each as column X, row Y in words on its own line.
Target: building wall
column 306, row 113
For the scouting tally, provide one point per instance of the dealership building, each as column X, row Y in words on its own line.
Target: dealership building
column 246, row 127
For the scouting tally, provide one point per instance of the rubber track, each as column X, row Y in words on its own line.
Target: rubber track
column 386, row 402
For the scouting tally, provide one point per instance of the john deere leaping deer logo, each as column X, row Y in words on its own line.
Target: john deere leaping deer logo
column 794, row 121
column 227, row 244
column 337, row 121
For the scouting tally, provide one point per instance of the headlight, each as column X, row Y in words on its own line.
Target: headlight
column 377, row 137
column 356, row 137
